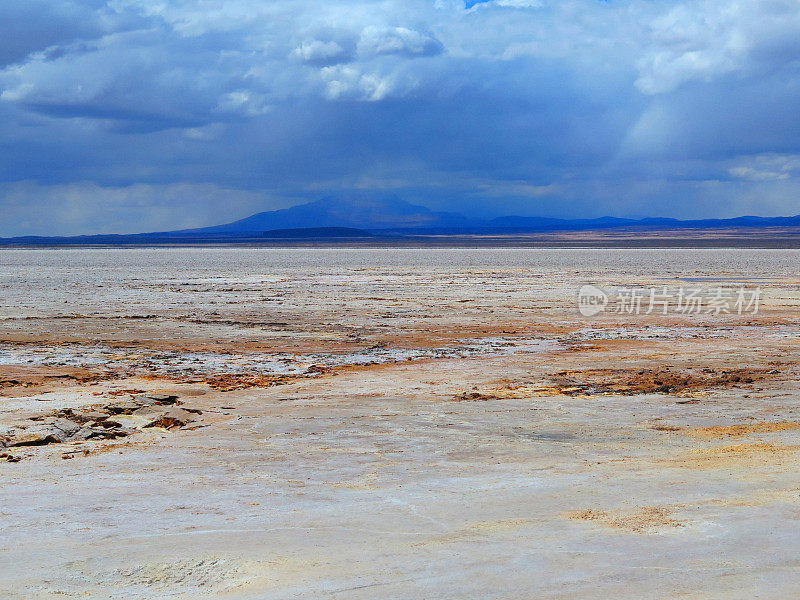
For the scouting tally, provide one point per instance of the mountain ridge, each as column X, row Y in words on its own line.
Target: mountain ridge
column 391, row 214
column 361, row 212
column 388, row 215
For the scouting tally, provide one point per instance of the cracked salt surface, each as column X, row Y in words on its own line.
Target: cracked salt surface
column 644, row 333
column 139, row 361
column 672, row 333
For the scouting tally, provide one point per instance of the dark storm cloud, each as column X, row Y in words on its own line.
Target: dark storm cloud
column 506, row 106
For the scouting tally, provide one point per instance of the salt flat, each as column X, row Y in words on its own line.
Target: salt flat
column 385, row 423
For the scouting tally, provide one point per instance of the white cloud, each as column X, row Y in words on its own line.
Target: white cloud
column 245, row 102
column 320, row 52
column 397, row 40
column 766, row 167
column 345, row 82
column 507, row 3
column 702, row 40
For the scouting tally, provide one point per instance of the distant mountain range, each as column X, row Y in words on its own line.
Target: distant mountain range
column 368, row 215
column 360, row 211
column 390, row 214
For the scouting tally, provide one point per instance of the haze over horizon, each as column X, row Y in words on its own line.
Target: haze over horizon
column 124, row 116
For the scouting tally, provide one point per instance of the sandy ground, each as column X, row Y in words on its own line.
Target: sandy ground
column 394, row 432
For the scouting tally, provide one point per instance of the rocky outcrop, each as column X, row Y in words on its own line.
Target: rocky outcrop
column 100, row 422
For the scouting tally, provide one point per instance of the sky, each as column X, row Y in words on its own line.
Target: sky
column 146, row 115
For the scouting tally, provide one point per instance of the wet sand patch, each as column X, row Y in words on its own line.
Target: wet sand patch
column 643, row 520
column 723, row 431
column 22, row 376
column 653, row 380
column 624, row 382
column 738, row 456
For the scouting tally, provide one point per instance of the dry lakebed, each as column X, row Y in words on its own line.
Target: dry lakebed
column 395, row 423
